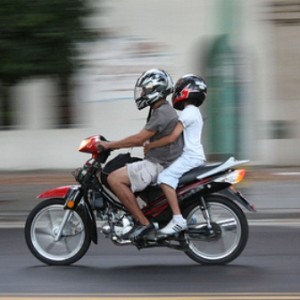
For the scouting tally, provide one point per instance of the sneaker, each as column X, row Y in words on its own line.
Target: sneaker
column 126, row 235
column 173, row 227
column 139, row 231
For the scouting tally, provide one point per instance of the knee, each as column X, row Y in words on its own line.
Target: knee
column 112, row 179
column 160, row 178
column 117, row 178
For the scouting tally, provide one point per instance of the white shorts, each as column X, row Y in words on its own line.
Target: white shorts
column 142, row 173
column 181, row 165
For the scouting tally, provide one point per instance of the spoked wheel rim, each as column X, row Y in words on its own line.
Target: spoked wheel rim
column 45, row 227
column 228, row 235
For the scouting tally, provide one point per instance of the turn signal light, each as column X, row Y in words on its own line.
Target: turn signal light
column 70, row 204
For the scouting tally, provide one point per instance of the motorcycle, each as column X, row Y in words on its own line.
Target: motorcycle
column 60, row 229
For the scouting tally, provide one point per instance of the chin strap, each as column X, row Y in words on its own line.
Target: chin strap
column 149, row 114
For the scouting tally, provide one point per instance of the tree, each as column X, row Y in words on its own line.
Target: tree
column 40, row 38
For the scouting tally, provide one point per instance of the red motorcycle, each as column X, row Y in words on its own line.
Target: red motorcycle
column 59, row 230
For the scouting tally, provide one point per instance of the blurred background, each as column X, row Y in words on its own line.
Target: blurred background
column 68, row 70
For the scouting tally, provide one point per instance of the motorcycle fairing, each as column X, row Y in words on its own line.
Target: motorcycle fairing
column 156, row 207
column 229, row 163
column 207, row 171
column 159, row 208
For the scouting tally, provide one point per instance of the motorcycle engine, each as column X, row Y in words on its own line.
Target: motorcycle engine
column 122, row 227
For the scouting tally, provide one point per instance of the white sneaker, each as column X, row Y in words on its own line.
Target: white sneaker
column 174, row 227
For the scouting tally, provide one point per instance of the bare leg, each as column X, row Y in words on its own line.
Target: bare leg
column 177, row 223
column 120, row 185
column 171, row 196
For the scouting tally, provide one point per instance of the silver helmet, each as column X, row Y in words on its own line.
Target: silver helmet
column 151, row 86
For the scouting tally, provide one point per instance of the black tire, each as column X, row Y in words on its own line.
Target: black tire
column 231, row 232
column 41, row 226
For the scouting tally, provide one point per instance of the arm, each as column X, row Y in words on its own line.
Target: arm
column 131, row 141
column 166, row 140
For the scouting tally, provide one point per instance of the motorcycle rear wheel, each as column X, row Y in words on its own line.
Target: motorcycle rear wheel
column 41, row 229
column 230, row 232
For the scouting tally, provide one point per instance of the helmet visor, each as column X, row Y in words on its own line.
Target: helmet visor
column 142, row 91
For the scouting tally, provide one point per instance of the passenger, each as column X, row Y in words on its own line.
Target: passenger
column 190, row 92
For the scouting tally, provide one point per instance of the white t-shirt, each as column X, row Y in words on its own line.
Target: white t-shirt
column 192, row 121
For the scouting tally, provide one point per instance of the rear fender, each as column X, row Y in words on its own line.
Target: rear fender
column 237, row 196
column 220, row 188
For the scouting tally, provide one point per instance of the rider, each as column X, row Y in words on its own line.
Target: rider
column 190, row 92
column 151, row 89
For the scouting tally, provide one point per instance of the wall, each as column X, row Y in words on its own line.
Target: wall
column 170, row 34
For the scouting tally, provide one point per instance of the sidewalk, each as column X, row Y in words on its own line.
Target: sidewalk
column 274, row 191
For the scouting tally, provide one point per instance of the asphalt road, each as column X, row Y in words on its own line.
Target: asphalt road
column 269, row 264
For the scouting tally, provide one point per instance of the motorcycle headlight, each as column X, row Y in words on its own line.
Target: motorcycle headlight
column 79, row 174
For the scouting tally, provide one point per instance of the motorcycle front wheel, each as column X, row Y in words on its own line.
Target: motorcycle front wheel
column 49, row 241
column 224, row 240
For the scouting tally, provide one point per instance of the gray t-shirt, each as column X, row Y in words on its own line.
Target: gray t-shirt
column 163, row 120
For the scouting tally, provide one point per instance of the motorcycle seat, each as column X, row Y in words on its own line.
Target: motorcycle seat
column 191, row 176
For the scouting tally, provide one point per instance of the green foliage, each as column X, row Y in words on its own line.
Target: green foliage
column 39, row 37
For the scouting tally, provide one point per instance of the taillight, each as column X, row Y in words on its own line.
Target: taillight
column 234, row 177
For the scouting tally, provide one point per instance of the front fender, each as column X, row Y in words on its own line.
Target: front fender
column 62, row 192
column 58, row 192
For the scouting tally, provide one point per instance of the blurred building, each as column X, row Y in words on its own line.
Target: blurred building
column 248, row 51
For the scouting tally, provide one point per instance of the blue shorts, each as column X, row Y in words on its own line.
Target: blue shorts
column 181, row 165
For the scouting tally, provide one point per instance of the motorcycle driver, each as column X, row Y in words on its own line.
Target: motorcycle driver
column 151, row 89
